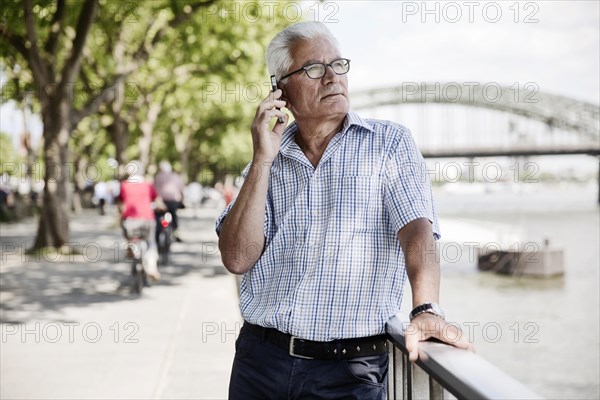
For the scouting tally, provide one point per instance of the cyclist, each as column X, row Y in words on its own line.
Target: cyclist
column 169, row 186
column 135, row 200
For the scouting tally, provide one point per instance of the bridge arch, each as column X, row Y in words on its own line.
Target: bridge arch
column 578, row 117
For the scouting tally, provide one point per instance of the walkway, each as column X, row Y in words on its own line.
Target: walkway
column 71, row 329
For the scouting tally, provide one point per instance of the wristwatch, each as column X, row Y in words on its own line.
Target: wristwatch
column 431, row 308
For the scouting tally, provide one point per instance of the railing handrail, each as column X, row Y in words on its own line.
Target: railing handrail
column 463, row 373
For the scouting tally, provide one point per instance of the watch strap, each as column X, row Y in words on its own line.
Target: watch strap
column 431, row 308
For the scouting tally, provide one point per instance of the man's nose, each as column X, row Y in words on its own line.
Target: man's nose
column 330, row 75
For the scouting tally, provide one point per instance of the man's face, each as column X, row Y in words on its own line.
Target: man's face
column 320, row 99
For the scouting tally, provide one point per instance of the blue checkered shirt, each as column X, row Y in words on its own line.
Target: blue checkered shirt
column 332, row 265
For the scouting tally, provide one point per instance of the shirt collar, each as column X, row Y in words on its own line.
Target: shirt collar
column 354, row 119
column 351, row 119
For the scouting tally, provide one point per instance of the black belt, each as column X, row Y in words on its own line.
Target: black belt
column 335, row 350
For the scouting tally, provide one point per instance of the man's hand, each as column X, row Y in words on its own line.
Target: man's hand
column 266, row 141
column 425, row 326
column 242, row 237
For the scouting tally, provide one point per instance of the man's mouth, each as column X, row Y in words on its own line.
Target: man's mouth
column 330, row 95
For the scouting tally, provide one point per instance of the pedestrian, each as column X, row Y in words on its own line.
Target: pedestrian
column 170, row 186
column 193, row 195
column 102, row 196
column 335, row 213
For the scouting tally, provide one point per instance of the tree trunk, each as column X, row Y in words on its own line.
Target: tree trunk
column 147, row 127
column 119, row 134
column 185, row 163
column 182, row 139
column 79, row 184
column 53, row 228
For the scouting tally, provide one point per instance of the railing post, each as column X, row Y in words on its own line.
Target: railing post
column 436, row 391
column 420, row 382
column 391, row 381
column 443, row 371
column 399, row 374
column 407, row 383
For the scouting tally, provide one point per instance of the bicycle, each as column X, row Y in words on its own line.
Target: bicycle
column 137, row 233
column 164, row 235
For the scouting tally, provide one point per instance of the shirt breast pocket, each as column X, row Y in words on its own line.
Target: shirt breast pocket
column 360, row 202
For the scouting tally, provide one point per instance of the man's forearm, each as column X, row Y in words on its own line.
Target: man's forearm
column 423, row 269
column 242, row 239
column 425, row 284
column 422, row 265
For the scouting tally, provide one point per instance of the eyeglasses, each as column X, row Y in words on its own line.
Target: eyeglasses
column 340, row 66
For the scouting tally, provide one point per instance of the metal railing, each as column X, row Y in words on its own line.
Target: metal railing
column 445, row 372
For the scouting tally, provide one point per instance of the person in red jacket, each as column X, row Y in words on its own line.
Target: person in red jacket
column 135, row 198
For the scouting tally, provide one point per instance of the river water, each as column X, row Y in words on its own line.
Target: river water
column 542, row 331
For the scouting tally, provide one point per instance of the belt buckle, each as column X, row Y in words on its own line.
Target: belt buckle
column 293, row 354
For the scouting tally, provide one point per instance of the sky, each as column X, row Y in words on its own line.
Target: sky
column 553, row 44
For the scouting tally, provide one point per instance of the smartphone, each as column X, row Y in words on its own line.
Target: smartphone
column 274, row 88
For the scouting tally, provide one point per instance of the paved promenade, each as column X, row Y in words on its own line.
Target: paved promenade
column 71, row 329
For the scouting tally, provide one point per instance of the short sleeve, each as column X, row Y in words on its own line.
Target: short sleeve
column 407, row 194
column 225, row 212
column 221, row 218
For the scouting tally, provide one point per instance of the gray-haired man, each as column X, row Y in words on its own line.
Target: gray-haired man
column 334, row 212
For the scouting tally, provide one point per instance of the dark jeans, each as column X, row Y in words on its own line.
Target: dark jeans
column 262, row 370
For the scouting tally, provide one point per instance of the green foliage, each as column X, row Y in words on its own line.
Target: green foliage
column 214, row 76
column 206, row 74
column 9, row 158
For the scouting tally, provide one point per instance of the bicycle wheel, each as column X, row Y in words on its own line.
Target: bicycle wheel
column 164, row 245
column 137, row 277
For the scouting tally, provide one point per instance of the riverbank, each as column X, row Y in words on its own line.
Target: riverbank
column 543, row 331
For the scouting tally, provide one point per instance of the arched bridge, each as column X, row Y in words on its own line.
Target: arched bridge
column 561, row 125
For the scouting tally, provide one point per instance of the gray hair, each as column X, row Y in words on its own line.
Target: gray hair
column 279, row 58
column 165, row 166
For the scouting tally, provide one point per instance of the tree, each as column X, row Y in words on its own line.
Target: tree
column 216, row 66
column 49, row 39
column 136, row 79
